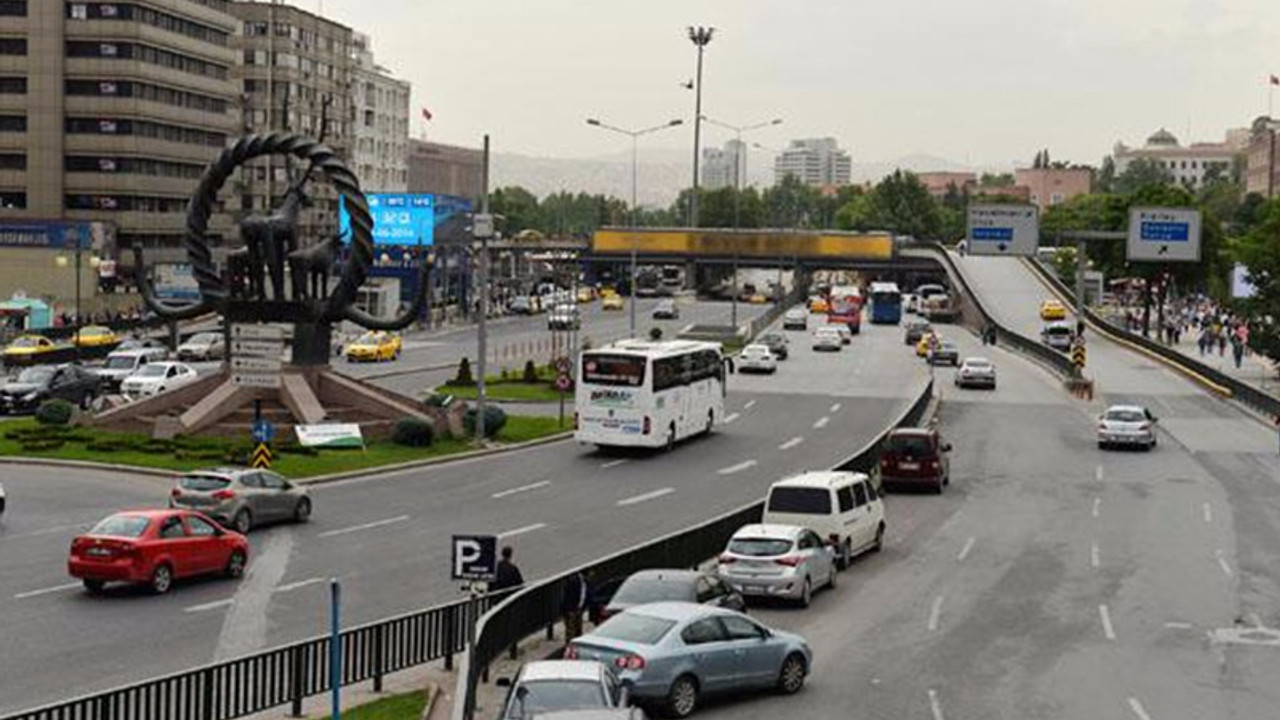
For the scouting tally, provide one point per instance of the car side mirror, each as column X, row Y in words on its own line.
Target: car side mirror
column 219, row 532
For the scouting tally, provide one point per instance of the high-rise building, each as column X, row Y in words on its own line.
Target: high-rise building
column 110, row 111
column 1187, row 165
column 1262, row 163
column 381, row 150
column 721, row 166
column 292, row 62
column 818, row 162
column 445, row 169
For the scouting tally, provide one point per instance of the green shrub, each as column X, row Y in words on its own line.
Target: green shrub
column 494, row 420
column 464, row 376
column 413, row 432
column 42, row 445
column 112, row 444
column 156, row 447
column 438, row 400
column 505, row 375
column 294, row 448
column 54, row 412
column 530, row 372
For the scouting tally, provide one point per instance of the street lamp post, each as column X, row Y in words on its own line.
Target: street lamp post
column 740, row 159
column 635, row 137
column 701, row 37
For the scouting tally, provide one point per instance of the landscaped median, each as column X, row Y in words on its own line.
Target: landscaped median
column 535, row 384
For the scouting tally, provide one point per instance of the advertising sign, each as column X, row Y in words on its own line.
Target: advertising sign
column 412, row 219
column 1163, row 235
column 1003, row 229
column 330, row 435
column 175, row 281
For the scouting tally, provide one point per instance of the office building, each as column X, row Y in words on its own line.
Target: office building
column 445, row 169
column 1187, row 165
column 817, row 162
column 721, row 166
column 1262, row 166
column 1054, row 186
column 381, row 149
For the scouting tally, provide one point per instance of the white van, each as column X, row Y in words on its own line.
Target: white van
column 842, row 507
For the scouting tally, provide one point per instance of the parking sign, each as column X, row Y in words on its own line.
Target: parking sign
column 475, row 557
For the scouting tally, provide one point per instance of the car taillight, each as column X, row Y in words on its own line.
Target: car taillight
column 177, row 492
column 648, row 427
column 789, row 561
column 728, row 559
column 571, row 653
column 224, row 495
column 885, row 462
column 629, row 662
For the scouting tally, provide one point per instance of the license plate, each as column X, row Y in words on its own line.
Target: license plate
column 909, row 466
column 753, row 588
column 97, row 551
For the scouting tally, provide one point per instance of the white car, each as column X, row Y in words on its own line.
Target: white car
column 910, row 303
column 844, row 508
column 796, row 319
column 778, row 561
column 976, row 372
column 757, row 358
column 123, row 363
column 155, row 378
column 1127, row 425
column 202, row 346
column 827, row 338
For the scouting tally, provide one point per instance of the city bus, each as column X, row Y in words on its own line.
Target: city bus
column 886, row 303
column 640, row 393
column 844, row 306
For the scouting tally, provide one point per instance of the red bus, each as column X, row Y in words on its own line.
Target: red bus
column 845, row 307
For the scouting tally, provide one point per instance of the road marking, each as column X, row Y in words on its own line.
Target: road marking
column 1179, row 625
column 1093, row 555
column 522, row 488
column 1107, row 629
column 54, row 529
column 1255, row 619
column 1208, row 513
column 791, row 443
column 365, row 526
column 1098, row 473
column 731, row 417
column 821, row 423
column 1222, row 563
column 46, row 591
column 1138, row 710
column 522, row 530
column 737, row 468
column 750, row 404
column 968, row 545
column 835, row 408
column 935, row 705
column 209, row 605
column 645, row 497
column 1097, row 506
column 613, row 464
column 289, row 587
column 934, row 612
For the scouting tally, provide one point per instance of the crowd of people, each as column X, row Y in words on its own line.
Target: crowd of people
column 102, row 317
column 1213, row 327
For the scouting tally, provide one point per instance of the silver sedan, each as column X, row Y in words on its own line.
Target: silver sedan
column 241, row 497
column 1127, row 425
column 780, row 561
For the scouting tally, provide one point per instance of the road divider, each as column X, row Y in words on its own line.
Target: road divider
column 821, row 422
column 521, row 530
column 964, row 552
column 935, row 613
column 1108, row 630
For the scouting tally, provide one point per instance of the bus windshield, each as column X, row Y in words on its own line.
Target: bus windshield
column 613, row 370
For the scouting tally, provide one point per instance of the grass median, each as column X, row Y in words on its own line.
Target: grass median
column 291, row 461
column 407, row 706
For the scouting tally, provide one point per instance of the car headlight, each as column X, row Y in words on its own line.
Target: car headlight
column 31, row 396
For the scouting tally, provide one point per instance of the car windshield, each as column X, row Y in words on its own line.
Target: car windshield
column 125, row 526
column 909, row 445
column 203, row 483
column 755, row 350
column 636, row 628
column 641, row 590
column 800, row 500
column 542, row 696
column 1058, row 330
column 119, row 362
column 759, row 547
column 1126, row 415
column 977, row 364
column 26, row 342
column 608, row 369
column 203, row 339
column 153, row 371
column 771, row 340
column 368, row 339
column 35, row 376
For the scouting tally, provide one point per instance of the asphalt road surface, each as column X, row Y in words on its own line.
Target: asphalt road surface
column 387, row 537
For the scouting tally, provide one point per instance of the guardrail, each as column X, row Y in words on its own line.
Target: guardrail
column 1237, row 389
column 537, row 608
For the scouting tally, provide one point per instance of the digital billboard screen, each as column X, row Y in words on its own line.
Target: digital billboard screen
column 411, row 219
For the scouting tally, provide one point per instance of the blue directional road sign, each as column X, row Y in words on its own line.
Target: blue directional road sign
column 1003, row 229
column 1163, row 235
column 263, row 431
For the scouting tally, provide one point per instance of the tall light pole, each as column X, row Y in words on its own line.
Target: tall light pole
column 740, row 159
column 701, row 37
column 635, row 136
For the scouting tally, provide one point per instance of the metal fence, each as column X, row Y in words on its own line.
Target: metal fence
column 537, row 608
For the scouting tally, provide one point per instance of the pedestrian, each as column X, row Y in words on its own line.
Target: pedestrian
column 1278, row 426
column 1237, row 349
column 986, row 334
column 572, row 604
column 1222, row 343
column 508, row 575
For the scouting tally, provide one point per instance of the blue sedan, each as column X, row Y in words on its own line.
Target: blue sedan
column 674, row 653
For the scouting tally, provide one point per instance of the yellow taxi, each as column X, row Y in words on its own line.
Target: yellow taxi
column 375, row 346
column 585, row 295
column 926, row 340
column 611, row 302
column 819, row 304
column 757, row 299
column 27, row 348
column 95, row 336
column 1053, row 310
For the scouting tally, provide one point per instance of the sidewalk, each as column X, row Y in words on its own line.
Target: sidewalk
column 1254, row 369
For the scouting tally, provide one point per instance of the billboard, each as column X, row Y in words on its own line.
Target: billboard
column 1158, row 234
column 175, row 281
column 98, row 237
column 746, row 243
column 412, row 219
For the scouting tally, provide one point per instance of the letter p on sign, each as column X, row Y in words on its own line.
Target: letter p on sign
column 475, row 557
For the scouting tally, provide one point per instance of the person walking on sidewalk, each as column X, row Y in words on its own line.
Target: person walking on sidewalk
column 508, row 574
column 572, row 604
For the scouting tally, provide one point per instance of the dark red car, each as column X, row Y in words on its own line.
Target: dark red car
column 154, row 548
column 915, row 457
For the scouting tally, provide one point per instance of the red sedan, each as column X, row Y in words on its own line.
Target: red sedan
column 154, row 548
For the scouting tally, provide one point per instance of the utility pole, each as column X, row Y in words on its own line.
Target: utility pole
column 482, row 227
column 701, row 37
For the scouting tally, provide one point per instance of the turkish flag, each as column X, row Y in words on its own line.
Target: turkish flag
column 1275, row 80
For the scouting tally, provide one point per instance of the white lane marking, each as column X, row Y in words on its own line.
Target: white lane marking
column 365, row 526
column 209, row 605
column 1094, row 559
column 821, row 423
column 1097, row 506
column 288, row 587
column 1179, row 625
column 731, row 417
column 968, row 545
column 1208, row 513
column 1222, row 563
column 791, row 443
column 46, row 591
column 835, row 408
column 1098, row 473
column 522, row 530
column 613, row 464
column 522, row 488
column 935, row 705
column 1138, row 710
column 54, row 529
column 934, row 613
column 750, row 404
column 737, row 468
column 645, row 497
column 1107, row 629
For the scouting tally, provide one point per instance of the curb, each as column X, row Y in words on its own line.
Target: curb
column 433, row 694
column 401, row 373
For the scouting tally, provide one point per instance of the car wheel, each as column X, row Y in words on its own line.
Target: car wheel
column 235, row 564
column 243, row 521
column 682, row 698
column 791, row 676
column 806, row 594
column 161, row 579
column 1102, row 445
column 94, row 586
column 878, row 545
column 302, row 511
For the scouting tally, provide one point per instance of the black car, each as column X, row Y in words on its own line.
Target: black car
column 944, row 354
column 776, row 343
column 915, row 329
column 649, row 586
column 34, row 385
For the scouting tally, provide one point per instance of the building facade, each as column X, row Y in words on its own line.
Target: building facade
column 817, row 162
column 109, row 112
column 721, row 167
column 381, row 102
column 1262, row 166
column 445, row 169
column 1187, row 165
column 1054, row 186
column 940, row 182
column 292, row 63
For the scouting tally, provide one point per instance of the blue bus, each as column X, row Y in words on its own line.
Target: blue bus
column 886, row 303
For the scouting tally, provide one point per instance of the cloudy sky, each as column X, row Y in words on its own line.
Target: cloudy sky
column 982, row 81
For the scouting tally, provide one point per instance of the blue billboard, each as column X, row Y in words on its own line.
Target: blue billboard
column 411, row 219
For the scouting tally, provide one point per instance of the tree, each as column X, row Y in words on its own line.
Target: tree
column 1105, row 180
column 903, row 205
column 791, row 204
column 1260, row 253
column 519, row 207
column 857, row 214
column 1142, row 173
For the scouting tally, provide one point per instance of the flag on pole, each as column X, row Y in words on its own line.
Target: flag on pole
column 426, row 114
column 1275, row 80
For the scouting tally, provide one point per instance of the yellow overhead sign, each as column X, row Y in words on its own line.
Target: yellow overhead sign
column 746, row 243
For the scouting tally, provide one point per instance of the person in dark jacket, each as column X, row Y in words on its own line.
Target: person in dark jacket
column 508, row 575
column 572, row 604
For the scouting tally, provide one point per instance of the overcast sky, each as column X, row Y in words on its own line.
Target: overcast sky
column 982, row 81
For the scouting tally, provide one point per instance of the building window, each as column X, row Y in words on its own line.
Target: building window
column 125, row 203
column 1055, row 199
column 13, row 123
column 148, row 16
column 147, row 54
column 13, row 161
column 13, row 46
column 143, row 128
column 13, row 86
column 13, row 200
column 13, row 8
column 255, row 29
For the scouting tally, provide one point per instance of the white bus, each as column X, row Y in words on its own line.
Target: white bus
column 638, row 393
